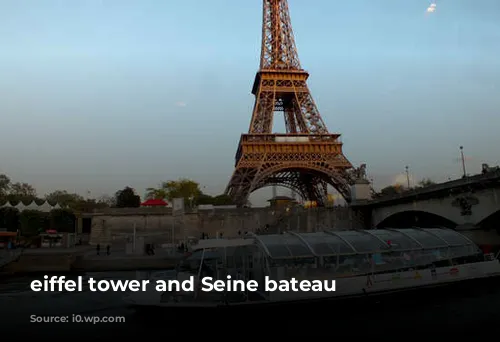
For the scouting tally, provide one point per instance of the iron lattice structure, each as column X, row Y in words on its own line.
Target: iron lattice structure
column 307, row 157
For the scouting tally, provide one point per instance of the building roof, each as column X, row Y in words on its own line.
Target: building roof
column 154, row 203
column 45, row 206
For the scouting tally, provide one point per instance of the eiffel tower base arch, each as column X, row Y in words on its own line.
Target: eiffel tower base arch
column 307, row 167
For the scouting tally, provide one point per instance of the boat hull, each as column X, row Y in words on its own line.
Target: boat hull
column 364, row 291
column 419, row 301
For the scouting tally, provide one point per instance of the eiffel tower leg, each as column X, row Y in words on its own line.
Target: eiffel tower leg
column 240, row 185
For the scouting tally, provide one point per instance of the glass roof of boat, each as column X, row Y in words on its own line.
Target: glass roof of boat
column 330, row 243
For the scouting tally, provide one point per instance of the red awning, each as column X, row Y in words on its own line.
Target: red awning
column 51, row 231
column 154, row 203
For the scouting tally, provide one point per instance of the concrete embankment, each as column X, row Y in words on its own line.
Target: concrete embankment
column 38, row 263
column 104, row 264
column 64, row 261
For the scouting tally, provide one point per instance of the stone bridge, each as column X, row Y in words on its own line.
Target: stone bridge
column 468, row 202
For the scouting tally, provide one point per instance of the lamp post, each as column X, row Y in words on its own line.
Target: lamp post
column 463, row 161
column 407, row 177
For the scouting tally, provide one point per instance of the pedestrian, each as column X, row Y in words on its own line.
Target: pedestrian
column 98, row 249
column 108, row 247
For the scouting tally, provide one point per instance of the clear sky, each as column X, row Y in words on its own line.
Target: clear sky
column 96, row 95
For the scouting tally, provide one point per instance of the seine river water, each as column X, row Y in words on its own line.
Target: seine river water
column 452, row 314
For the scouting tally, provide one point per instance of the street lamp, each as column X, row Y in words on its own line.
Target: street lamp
column 463, row 161
column 407, row 177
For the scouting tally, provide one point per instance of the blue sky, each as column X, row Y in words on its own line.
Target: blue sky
column 99, row 94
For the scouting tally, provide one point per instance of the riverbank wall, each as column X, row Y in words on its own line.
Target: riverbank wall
column 158, row 225
column 64, row 261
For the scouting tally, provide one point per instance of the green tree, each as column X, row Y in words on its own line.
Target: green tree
column 157, row 193
column 391, row 190
column 187, row 189
column 425, row 183
column 223, row 200
column 88, row 205
column 4, row 185
column 22, row 192
column 33, row 222
column 62, row 220
column 181, row 188
column 204, row 199
column 63, row 198
column 106, row 201
column 9, row 219
column 127, row 198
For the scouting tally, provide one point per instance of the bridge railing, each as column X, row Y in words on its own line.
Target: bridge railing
column 475, row 179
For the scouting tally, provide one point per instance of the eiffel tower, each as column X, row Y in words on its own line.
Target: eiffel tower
column 307, row 158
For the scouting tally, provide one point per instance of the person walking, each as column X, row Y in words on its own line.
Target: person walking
column 98, row 249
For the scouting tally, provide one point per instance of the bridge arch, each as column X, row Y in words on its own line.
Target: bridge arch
column 415, row 218
column 491, row 221
column 292, row 177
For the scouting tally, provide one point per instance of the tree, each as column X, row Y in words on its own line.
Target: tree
column 9, row 219
column 63, row 198
column 33, row 222
column 391, row 190
column 425, row 183
column 22, row 192
column 62, row 220
column 107, row 201
column 15, row 192
column 223, row 200
column 127, row 198
column 181, row 188
column 156, row 193
column 205, row 199
column 4, row 185
column 88, row 205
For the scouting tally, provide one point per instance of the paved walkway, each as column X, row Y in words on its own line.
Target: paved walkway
column 57, row 250
column 7, row 256
column 121, row 254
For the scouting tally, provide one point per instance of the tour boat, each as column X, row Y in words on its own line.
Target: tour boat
column 362, row 263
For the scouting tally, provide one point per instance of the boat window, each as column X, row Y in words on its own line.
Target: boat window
column 362, row 242
column 453, row 238
column 396, row 239
column 344, row 243
column 285, row 246
column 361, row 263
column 389, row 261
column 330, row 262
column 345, row 264
column 324, row 244
column 293, row 263
column 426, row 239
column 461, row 251
column 430, row 256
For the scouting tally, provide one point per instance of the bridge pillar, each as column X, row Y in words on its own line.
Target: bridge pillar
column 361, row 191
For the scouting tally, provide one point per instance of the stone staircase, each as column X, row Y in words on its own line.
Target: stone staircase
column 99, row 234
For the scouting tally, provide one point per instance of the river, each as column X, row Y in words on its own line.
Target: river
column 451, row 314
